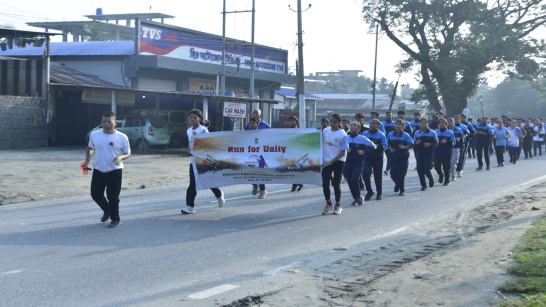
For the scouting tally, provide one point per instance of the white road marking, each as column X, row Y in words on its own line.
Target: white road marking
column 11, row 272
column 536, row 179
column 249, row 196
column 390, row 233
column 213, row 291
column 278, row 270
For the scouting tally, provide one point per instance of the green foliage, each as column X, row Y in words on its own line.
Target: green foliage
column 519, row 97
column 98, row 32
column 454, row 42
column 530, row 269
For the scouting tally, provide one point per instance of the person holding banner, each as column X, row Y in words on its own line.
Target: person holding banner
column 257, row 114
column 196, row 119
column 293, row 122
column 334, row 151
column 259, row 124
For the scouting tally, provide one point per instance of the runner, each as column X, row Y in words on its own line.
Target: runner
column 472, row 143
column 374, row 114
column 293, row 122
column 258, row 124
column 407, row 125
column 483, row 141
column 513, row 140
column 389, row 127
column 500, row 135
column 334, row 149
column 415, row 125
column 198, row 126
column 538, row 138
column 469, row 138
column 361, row 118
column 345, row 124
column 528, row 139
column 467, row 135
column 355, row 161
column 425, row 141
column 254, row 124
column 458, row 148
column 109, row 148
column 442, row 153
column 373, row 160
column 399, row 144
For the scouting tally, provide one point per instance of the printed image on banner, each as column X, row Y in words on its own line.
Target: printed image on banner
column 257, row 157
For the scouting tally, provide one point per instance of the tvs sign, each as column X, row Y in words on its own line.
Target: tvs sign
column 233, row 109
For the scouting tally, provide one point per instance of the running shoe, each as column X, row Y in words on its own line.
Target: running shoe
column 369, row 196
column 114, row 224
column 337, row 210
column 327, row 209
column 105, row 217
column 262, row 194
column 188, row 210
column 379, row 197
column 360, row 201
column 402, row 193
column 354, row 203
column 221, row 201
column 300, row 186
column 459, row 174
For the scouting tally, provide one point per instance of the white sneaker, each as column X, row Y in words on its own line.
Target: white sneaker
column 337, row 210
column 188, row 210
column 221, row 200
column 262, row 194
column 459, row 174
column 327, row 209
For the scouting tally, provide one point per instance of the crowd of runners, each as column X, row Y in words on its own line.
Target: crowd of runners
column 353, row 151
column 439, row 143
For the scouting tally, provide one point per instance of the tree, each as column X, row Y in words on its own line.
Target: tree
column 98, row 32
column 454, row 42
column 518, row 98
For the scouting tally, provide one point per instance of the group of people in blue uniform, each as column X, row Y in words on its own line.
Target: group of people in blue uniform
column 439, row 144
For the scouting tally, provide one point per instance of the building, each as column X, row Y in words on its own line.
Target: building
column 163, row 67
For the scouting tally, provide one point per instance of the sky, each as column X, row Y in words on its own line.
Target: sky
column 335, row 36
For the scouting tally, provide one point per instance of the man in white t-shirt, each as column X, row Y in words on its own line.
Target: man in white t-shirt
column 110, row 147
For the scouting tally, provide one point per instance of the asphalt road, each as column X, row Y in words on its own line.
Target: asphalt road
column 57, row 253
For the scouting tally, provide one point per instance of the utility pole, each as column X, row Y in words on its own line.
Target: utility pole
column 375, row 67
column 223, row 73
column 224, row 46
column 251, row 91
column 300, row 71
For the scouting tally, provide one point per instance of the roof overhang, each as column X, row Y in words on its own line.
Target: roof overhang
column 166, row 94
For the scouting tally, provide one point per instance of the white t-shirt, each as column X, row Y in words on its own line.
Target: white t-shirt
column 107, row 148
column 538, row 131
column 332, row 143
column 199, row 129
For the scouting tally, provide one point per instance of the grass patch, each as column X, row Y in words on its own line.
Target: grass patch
column 530, row 269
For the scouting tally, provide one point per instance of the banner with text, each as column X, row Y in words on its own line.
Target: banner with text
column 186, row 44
column 258, row 157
